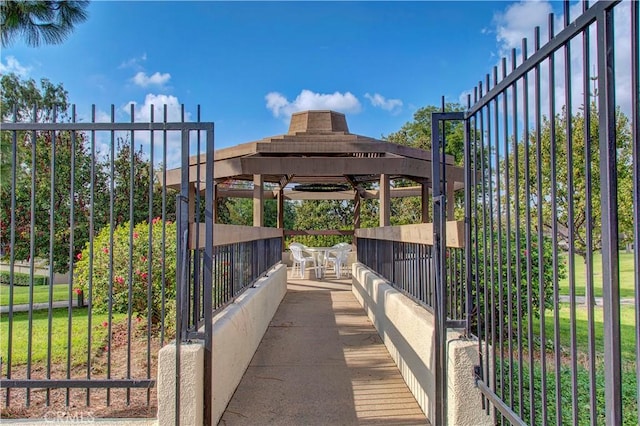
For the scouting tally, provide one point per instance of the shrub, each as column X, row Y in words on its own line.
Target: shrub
column 130, row 273
column 507, row 276
column 20, row 279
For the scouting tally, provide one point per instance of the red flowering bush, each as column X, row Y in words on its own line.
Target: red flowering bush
column 115, row 270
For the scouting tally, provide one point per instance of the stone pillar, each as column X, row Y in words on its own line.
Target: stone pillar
column 464, row 405
column 258, row 200
column 191, row 384
column 385, row 200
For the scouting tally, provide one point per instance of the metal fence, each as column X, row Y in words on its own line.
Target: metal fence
column 408, row 267
column 86, row 197
column 552, row 198
column 236, row 267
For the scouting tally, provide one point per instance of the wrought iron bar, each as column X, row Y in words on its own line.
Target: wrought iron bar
column 583, row 21
column 609, row 214
column 635, row 114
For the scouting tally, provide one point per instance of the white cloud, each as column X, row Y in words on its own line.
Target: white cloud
column 377, row 100
column 518, row 21
column 133, row 62
column 143, row 80
column 14, row 66
column 142, row 113
column 280, row 106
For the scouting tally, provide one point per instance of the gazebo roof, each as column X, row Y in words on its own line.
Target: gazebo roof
column 319, row 148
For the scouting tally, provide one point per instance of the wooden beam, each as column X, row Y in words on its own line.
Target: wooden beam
column 289, row 194
column 284, row 181
column 421, row 233
column 268, row 194
column 327, row 166
column 288, row 232
column 338, row 145
column 317, row 169
column 231, row 234
column 306, row 195
column 356, row 186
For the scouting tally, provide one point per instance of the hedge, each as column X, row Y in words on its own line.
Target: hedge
column 21, row 279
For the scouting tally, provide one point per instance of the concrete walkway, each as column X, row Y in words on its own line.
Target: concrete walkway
column 321, row 362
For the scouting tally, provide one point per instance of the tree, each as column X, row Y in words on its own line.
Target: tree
column 578, row 193
column 128, row 160
column 417, row 134
column 239, row 211
column 33, row 153
column 40, row 21
column 323, row 214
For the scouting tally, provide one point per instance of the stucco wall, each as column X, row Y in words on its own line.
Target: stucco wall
column 407, row 330
column 237, row 332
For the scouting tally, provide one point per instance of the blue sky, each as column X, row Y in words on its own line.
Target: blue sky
column 250, row 64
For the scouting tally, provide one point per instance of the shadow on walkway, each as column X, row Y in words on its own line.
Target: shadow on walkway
column 321, row 362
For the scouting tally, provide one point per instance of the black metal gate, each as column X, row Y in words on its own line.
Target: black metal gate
column 89, row 197
column 552, row 209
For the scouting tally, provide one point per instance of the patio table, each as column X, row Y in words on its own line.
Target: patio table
column 319, row 254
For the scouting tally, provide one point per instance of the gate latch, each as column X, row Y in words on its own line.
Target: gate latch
column 477, row 373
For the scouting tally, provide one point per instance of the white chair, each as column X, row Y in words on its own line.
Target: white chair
column 300, row 260
column 338, row 257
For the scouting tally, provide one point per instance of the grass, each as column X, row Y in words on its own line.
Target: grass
column 627, row 329
column 627, row 275
column 629, row 401
column 40, row 294
column 79, row 335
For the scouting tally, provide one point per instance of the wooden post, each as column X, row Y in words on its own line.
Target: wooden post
column 356, row 211
column 450, row 200
column 356, row 217
column 214, row 208
column 280, row 209
column 425, row 202
column 258, row 200
column 385, row 200
column 193, row 190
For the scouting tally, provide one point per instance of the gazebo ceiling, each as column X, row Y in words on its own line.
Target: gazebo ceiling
column 318, row 148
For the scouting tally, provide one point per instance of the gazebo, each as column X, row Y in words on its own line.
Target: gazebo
column 319, row 159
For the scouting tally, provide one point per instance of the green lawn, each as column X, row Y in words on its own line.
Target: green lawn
column 627, row 323
column 626, row 276
column 40, row 294
column 79, row 335
column 627, row 343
